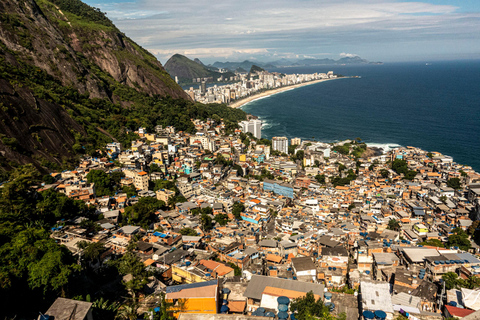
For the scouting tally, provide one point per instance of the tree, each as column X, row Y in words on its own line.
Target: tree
column 165, row 312
column 103, row 183
column 237, row 209
column 143, row 212
column 307, row 308
column 320, row 178
column 291, row 149
column 454, row 183
column 154, row 168
column 206, row 222
column 91, row 250
column 400, row 166
column 48, row 179
column 188, row 232
column 221, row 219
column 452, row 281
column 239, row 170
column 473, row 227
column 459, row 238
column 384, row 173
column 433, row 243
column 130, row 264
column 394, row 225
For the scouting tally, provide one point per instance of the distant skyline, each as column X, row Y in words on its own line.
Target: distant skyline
column 269, row 30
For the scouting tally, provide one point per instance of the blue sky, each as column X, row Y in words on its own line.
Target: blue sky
column 267, row 30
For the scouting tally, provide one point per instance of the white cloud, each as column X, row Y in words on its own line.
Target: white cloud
column 285, row 26
column 348, row 55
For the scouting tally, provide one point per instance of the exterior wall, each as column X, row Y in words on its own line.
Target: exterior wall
column 184, row 276
column 197, row 305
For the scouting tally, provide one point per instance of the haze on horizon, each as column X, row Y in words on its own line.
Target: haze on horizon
column 376, row 30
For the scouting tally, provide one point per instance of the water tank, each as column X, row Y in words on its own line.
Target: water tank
column 282, row 307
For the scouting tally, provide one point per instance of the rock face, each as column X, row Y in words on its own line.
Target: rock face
column 186, row 69
column 70, row 45
column 77, row 46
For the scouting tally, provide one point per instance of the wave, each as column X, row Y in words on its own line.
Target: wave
column 384, row 146
column 266, row 124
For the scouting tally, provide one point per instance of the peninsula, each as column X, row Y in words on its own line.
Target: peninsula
column 254, row 85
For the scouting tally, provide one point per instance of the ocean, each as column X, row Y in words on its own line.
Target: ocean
column 433, row 106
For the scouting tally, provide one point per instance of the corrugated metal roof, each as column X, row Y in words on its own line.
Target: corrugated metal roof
column 257, row 285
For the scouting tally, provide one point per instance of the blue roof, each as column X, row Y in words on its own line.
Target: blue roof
column 467, row 256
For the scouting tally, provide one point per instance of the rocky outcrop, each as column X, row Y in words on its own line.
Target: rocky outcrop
column 78, row 48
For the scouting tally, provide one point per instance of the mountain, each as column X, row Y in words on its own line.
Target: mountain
column 256, row 69
column 198, row 61
column 70, row 82
column 291, row 63
column 245, row 65
column 186, row 69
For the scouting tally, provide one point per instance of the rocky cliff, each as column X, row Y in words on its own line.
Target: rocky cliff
column 61, row 61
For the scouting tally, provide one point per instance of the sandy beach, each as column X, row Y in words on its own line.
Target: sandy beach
column 239, row 103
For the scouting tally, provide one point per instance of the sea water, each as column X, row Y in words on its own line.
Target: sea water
column 431, row 105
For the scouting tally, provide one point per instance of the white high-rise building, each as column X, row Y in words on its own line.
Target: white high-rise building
column 280, row 144
column 252, row 126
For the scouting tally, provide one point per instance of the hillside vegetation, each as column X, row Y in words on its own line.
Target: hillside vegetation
column 70, row 82
column 186, row 69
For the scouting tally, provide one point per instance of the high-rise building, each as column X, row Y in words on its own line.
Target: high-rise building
column 203, row 87
column 252, row 126
column 280, row 144
column 296, row 141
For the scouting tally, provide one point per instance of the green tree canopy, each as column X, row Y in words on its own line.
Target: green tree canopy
column 460, row 239
column 188, row 232
column 237, row 210
column 143, row 212
column 454, row 183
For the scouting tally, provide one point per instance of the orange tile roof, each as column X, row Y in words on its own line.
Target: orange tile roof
column 142, row 173
column 204, row 292
column 274, row 258
column 148, row 262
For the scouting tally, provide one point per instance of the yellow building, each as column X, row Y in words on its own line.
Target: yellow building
column 165, row 194
column 186, row 275
column 141, row 180
column 243, row 158
column 201, row 297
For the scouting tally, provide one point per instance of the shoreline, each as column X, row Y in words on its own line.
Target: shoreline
column 244, row 101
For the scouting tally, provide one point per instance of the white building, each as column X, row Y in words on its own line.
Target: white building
column 280, row 144
column 252, row 126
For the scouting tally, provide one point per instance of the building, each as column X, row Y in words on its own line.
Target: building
column 68, row 309
column 200, row 297
column 252, row 126
column 296, row 141
column 165, row 194
column 283, row 189
column 280, row 144
column 304, row 268
column 141, row 181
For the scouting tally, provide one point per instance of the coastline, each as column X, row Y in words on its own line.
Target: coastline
column 244, row 101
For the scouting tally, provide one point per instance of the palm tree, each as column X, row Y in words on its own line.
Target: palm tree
column 128, row 311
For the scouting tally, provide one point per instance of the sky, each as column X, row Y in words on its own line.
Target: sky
column 269, row 30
